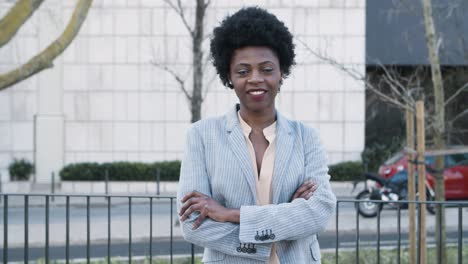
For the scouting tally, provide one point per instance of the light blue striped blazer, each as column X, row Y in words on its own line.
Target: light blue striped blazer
column 216, row 162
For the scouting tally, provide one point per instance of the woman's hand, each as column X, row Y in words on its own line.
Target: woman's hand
column 198, row 202
column 306, row 190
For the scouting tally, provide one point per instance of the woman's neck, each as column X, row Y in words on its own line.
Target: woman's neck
column 258, row 120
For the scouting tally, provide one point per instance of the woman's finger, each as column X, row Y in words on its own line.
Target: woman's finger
column 201, row 217
column 190, row 195
column 187, row 204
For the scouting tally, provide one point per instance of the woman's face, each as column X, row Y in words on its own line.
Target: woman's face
column 255, row 74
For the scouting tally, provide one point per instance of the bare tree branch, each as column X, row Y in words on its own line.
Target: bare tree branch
column 461, row 89
column 458, row 116
column 179, row 80
column 355, row 75
column 15, row 18
column 180, row 11
column 45, row 59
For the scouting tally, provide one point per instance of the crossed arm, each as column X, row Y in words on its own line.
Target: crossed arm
column 207, row 207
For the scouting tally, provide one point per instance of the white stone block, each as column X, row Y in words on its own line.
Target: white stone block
column 107, row 22
column 331, row 78
column 183, row 112
column 355, row 106
column 94, row 77
column 175, row 133
column 107, row 136
column 69, row 54
column 333, row 47
column 7, row 53
column 355, row 22
column 101, row 106
column 5, row 159
column 159, row 137
column 119, row 156
column 93, row 22
column 75, row 78
column 120, row 49
column 24, row 105
column 355, row 49
column 125, row 136
column 126, row 77
column 152, row 106
column 334, row 158
column 107, row 75
column 76, row 137
column 81, row 105
column 133, row 106
column 354, row 136
column 133, row 156
column 352, row 156
column 300, row 21
column 154, row 49
column 127, row 21
column 289, row 18
column 94, row 137
column 306, row 106
column 209, row 105
column 145, row 137
column 6, row 136
column 158, row 23
column 305, row 3
column 5, row 106
column 82, row 48
column 331, row 107
column 152, row 3
column 101, row 49
column 285, row 103
column 69, row 106
column 120, row 106
column 171, row 106
column 331, row 21
column 174, row 24
column 22, row 135
column 133, row 50
column 100, row 157
column 146, row 77
column 332, row 136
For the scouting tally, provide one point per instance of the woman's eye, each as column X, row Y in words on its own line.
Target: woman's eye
column 268, row 69
column 242, row 72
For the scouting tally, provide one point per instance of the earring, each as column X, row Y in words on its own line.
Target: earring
column 229, row 83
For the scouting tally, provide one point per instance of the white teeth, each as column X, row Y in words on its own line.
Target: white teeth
column 257, row 92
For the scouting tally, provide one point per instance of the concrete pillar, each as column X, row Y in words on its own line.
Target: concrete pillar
column 49, row 121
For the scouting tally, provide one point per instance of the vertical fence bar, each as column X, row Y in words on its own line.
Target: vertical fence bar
column 460, row 234
column 171, row 213
column 418, row 255
column 158, row 181
column 47, row 229
column 399, row 233
column 151, row 232
column 53, row 185
column 67, row 229
column 192, row 252
column 108, row 230
column 26, row 230
column 378, row 234
column 88, row 232
column 130, row 230
column 336, row 231
column 439, row 246
column 5, row 229
column 357, row 231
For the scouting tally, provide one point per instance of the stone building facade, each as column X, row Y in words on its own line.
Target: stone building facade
column 104, row 101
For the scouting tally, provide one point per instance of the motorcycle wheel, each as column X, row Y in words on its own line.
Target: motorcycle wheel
column 367, row 209
column 430, row 206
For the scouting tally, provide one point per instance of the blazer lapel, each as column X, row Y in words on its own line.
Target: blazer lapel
column 284, row 148
column 239, row 148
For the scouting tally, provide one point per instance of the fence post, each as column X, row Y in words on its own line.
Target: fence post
column 411, row 185
column 106, row 175
column 421, row 177
column 1, row 187
column 53, row 186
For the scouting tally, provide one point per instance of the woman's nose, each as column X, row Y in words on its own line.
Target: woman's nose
column 256, row 77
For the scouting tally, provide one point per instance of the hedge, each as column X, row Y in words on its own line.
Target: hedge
column 346, row 171
column 121, row 171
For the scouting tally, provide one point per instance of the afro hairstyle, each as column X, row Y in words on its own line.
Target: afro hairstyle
column 250, row 26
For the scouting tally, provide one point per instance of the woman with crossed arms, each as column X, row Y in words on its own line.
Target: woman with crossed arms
column 253, row 184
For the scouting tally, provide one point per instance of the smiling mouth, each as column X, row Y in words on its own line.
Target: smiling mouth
column 257, row 92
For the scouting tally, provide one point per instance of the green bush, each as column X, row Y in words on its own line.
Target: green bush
column 20, row 170
column 346, row 171
column 121, row 171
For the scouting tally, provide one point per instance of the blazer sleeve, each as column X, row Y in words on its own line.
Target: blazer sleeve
column 300, row 218
column 223, row 237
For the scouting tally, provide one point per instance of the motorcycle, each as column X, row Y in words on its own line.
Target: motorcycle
column 393, row 189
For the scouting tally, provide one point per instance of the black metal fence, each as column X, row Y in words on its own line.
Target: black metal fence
column 106, row 202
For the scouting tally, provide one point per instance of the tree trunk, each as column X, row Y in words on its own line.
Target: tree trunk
column 439, row 130
column 197, row 62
